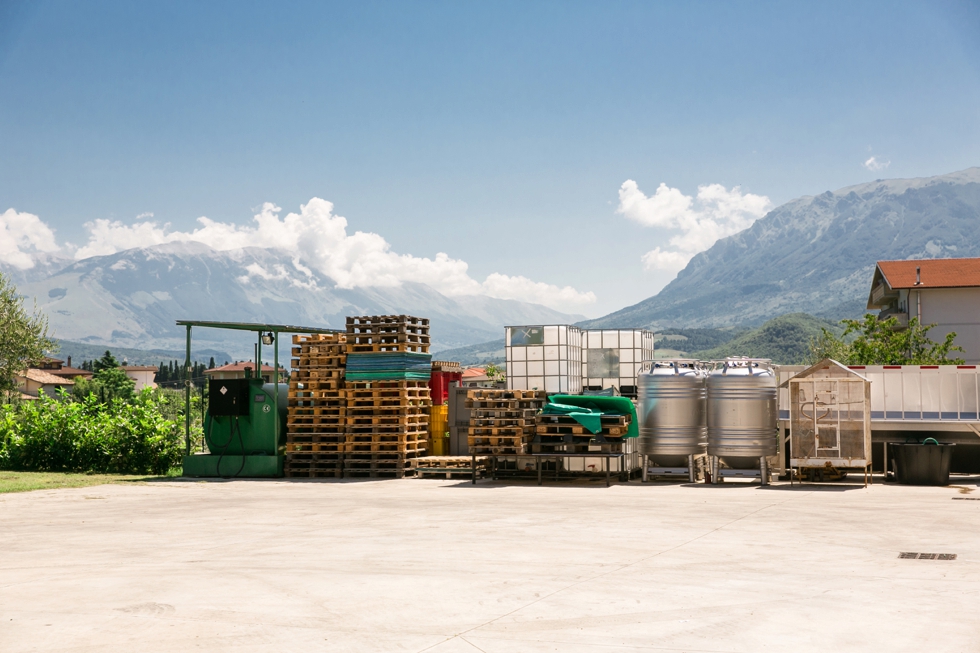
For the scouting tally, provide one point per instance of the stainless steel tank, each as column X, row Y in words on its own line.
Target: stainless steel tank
column 672, row 411
column 742, row 411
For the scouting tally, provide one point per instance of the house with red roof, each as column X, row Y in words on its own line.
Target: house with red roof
column 236, row 370
column 944, row 292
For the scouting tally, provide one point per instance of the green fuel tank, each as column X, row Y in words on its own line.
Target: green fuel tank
column 240, row 430
column 244, row 424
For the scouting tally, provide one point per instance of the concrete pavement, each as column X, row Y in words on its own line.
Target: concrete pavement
column 444, row 566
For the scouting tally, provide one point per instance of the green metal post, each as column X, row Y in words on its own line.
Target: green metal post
column 275, row 379
column 258, row 358
column 187, row 394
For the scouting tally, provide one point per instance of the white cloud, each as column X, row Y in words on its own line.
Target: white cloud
column 318, row 240
column 22, row 235
column 874, row 164
column 658, row 259
column 696, row 222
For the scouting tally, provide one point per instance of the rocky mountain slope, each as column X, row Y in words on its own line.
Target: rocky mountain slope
column 816, row 254
column 133, row 298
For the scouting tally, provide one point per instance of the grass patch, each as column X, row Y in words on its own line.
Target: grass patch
column 28, row 481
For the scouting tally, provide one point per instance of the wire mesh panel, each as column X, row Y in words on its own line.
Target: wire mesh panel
column 547, row 357
column 830, row 417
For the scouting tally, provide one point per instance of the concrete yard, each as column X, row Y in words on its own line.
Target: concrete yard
column 444, row 566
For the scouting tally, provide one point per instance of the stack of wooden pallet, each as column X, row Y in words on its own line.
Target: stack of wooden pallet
column 449, row 467
column 502, row 421
column 316, row 427
column 563, row 434
column 387, row 418
column 381, row 333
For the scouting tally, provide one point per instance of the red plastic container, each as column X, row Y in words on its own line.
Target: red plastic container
column 439, row 385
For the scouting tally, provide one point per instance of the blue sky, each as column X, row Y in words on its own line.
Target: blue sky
column 500, row 133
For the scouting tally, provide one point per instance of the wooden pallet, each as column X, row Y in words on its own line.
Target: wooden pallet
column 503, row 431
column 306, row 374
column 417, row 436
column 387, row 429
column 392, row 347
column 324, row 362
column 483, row 450
column 446, row 366
column 418, row 447
column 447, row 462
column 386, row 337
column 373, row 410
column 526, row 414
column 316, row 409
column 498, row 422
column 316, row 447
column 578, row 429
column 383, row 458
column 496, row 394
column 361, row 322
column 314, row 465
column 503, row 405
column 606, row 420
column 326, row 338
column 420, row 420
column 307, row 351
column 576, row 448
column 316, row 423
column 479, row 440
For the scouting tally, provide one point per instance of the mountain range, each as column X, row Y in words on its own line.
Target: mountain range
column 816, row 254
column 132, row 299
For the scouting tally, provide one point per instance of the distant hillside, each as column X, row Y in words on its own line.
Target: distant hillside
column 784, row 339
column 816, row 254
column 80, row 351
column 681, row 343
column 133, row 298
column 479, row 354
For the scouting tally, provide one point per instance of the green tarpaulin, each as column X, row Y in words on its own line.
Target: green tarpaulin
column 588, row 410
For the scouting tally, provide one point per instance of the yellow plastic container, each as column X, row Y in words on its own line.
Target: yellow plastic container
column 439, row 430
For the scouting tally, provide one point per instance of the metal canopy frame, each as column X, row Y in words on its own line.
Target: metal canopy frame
column 275, row 329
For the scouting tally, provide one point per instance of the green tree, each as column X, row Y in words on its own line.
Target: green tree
column 495, row 374
column 23, row 336
column 873, row 341
column 108, row 361
column 115, row 383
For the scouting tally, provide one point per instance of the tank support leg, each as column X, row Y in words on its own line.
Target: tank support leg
column 645, row 466
column 764, row 470
column 690, row 468
column 714, row 470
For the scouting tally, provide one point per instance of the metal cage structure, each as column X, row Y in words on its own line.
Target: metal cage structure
column 830, row 418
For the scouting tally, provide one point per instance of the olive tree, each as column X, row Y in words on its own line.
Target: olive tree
column 23, row 336
column 873, row 341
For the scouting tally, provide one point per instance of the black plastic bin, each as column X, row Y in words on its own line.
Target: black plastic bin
column 921, row 464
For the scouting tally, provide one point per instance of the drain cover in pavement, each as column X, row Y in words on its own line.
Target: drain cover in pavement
column 911, row 555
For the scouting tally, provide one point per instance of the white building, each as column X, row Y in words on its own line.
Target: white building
column 143, row 375
column 944, row 292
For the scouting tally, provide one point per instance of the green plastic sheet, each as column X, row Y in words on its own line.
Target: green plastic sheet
column 587, row 410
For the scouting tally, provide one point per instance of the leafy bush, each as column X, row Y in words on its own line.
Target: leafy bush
column 882, row 342
column 121, row 437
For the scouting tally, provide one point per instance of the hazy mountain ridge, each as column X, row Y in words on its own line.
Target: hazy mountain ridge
column 816, row 254
column 133, row 298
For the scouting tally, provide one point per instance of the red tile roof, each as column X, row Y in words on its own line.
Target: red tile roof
column 474, row 371
column 46, row 378
column 934, row 273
